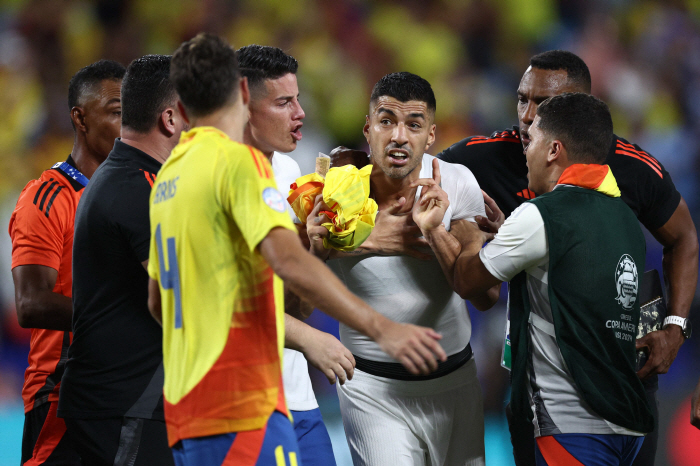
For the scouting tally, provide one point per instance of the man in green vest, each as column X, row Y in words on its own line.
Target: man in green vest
column 573, row 257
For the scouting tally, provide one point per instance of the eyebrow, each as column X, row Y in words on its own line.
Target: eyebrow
column 287, row 97
column 537, row 97
column 115, row 100
column 410, row 115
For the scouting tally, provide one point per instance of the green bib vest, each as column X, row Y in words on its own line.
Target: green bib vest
column 596, row 257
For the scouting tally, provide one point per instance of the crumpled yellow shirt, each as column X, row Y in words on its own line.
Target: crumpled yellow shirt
column 346, row 191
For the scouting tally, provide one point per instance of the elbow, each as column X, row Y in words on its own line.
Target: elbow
column 25, row 316
column 463, row 289
column 484, row 304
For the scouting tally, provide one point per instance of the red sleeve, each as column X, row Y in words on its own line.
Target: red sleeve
column 38, row 224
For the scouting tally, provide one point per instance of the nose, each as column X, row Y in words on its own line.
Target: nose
column 529, row 113
column 400, row 135
column 298, row 112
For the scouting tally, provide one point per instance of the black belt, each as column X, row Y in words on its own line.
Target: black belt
column 396, row 371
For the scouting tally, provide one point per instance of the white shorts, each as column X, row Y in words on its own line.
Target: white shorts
column 438, row 422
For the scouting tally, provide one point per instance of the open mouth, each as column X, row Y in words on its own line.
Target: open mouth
column 296, row 133
column 398, row 157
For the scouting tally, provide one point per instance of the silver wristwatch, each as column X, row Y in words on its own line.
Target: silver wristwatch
column 684, row 324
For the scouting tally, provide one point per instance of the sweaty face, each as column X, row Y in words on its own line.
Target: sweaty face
column 536, row 155
column 398, row 133
column 536, row 86
column 103, row 117
column 275, row 116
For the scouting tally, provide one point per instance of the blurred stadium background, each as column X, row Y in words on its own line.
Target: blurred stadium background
column 644, row 58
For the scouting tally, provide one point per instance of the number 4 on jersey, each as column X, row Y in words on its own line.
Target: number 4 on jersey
column 170, row 278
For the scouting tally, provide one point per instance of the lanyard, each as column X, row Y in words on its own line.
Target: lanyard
column 73, row 172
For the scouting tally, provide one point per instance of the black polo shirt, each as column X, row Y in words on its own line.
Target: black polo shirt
column 498, row 163
column 115, row 361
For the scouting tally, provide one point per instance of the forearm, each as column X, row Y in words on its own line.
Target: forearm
column 297, row 334
column 446, row 248
column 294, row 331
column 680, row 265
column 154, row 302
column 473, row 281
column 45, row 310
column 312, row 281
column 295, row 306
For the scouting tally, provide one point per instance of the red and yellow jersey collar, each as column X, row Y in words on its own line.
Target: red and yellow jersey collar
column 591, row 176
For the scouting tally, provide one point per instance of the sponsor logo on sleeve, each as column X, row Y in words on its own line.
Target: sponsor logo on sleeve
column 274, row 199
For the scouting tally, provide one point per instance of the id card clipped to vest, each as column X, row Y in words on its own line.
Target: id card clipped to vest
column 505, row 353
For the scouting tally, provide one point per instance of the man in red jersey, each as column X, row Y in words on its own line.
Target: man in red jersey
column 41, row 229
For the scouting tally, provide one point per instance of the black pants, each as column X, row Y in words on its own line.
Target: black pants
column 44, row 440
column 522, row 434
column 123, row 441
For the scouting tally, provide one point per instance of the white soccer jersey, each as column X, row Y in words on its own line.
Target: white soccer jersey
column 295, row 374
column 558, row 408
column 411, row 290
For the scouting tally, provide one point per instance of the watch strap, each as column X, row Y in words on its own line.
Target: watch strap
column 676, row 320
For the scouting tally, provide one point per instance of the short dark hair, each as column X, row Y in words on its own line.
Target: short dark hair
column 259, row 63
column 205, row 73
column 146, row 92
column 404, row 86
column 576, row 69
column 581, row 122
column 84, row 80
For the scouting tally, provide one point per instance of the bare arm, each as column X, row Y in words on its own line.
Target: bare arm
column 695, row 407
column 680, row 263
column 393, row 234
column 321, row 349
column 37, row 305
column 428, row 213
column 154, row 301
column 295, row 306
column 415, row 347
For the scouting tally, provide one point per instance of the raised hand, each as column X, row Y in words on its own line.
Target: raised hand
column 494, row 217
column 430, row 208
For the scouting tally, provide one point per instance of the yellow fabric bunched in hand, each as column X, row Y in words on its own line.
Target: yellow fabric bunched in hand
column 346, row 192
column 303, row 194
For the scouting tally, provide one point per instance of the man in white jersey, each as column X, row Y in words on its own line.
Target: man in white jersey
column 391, row 416
column 274, row 127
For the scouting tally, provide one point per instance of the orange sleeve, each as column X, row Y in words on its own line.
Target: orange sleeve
column 37, row 229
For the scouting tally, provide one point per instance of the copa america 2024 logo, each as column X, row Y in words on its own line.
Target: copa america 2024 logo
column 627, row 281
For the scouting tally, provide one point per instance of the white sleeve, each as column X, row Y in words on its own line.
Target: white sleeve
column 521, row 243
column 463, row 191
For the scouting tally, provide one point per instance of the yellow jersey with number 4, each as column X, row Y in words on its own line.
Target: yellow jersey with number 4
column 214, row 201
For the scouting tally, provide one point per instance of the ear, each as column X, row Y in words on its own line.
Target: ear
column 167, row 121
column 77, row 116
column 365, row 129
column 431, row 137
column 245, row 91
column 183, row 112
column 556, row 151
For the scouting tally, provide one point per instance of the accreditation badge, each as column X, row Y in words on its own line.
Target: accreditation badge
column 505, row 353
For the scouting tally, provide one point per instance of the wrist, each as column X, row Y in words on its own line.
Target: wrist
column 431, row 233
column 377, row 326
